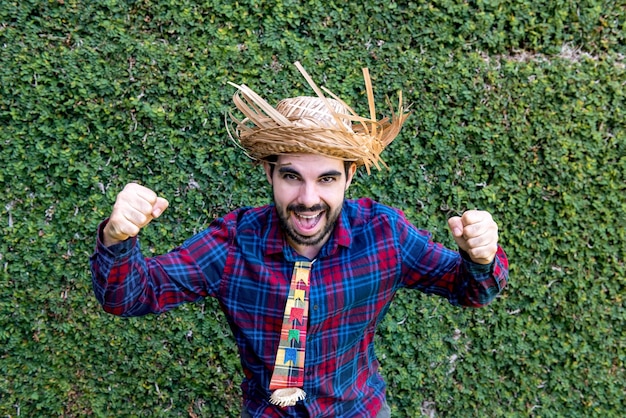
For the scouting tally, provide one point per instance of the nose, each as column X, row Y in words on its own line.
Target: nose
column 308, row 195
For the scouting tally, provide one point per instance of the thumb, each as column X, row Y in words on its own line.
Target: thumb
column 159, row 207
column 456, row 226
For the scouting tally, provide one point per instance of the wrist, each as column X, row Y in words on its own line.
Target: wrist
column 108, row 236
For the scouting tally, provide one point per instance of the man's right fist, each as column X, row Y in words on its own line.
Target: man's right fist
column 134, row 208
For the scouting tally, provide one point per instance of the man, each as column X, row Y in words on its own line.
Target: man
column 304, row 281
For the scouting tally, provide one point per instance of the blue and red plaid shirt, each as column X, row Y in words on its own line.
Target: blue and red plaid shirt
column 243, row 260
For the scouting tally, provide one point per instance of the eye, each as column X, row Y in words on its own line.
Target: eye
column 290, row 177
column 327, row 180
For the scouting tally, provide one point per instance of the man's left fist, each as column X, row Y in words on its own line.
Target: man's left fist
column 476, row 233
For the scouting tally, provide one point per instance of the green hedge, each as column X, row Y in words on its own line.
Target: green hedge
column 518, row 109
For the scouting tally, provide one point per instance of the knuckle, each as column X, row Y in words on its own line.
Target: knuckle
column 474, row 253
column 129, row 229
column 140, row 219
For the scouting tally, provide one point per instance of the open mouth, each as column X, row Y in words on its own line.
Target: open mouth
column 307, row 223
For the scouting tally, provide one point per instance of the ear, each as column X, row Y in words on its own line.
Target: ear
column 351, row 172
column 268, row 171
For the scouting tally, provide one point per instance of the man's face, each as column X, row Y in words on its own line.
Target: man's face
column 309, row 191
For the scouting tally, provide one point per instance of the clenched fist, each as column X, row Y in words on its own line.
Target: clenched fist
column 476, row 233
column 134, row 208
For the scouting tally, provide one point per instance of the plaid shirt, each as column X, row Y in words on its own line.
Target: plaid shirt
column 243, row 260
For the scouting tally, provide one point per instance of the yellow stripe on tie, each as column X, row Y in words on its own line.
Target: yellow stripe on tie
column 298, row 294
column 302, row 275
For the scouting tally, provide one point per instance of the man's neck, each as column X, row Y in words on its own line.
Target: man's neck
column 308, row 251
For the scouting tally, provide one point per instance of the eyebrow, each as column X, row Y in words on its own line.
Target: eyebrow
column 289, row 170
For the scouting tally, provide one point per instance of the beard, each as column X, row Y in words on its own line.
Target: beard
column 330, row 218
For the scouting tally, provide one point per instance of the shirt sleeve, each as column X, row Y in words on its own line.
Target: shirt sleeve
column 434, row 269
column 128, row 284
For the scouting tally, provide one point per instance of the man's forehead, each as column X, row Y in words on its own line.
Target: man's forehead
column 308, row 160
column 314, row 166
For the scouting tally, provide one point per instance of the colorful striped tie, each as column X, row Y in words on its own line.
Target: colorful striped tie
column 288, row 377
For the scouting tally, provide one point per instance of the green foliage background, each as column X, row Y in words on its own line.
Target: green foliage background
column 518, row 109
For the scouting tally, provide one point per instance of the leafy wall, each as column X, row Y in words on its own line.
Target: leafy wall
column 518, row 109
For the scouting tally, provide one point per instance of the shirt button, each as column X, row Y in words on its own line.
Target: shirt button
column 315, row 307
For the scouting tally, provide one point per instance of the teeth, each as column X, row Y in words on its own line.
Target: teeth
column 308, row 217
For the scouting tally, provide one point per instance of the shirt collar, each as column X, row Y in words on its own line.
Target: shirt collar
column 275, row 241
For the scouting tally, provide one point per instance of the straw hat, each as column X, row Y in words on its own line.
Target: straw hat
column 319, row 125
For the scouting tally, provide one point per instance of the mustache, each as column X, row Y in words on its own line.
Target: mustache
column 301, row 208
